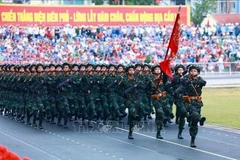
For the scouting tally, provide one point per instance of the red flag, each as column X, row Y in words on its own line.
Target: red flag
column 172, row 46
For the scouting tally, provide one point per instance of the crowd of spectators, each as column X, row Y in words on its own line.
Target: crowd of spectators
column 206, row 46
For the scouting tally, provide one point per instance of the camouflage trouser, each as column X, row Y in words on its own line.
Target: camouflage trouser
column 73, row 104
column 105, row 106
column 133, row 115
column 62, row 104
column 166, row 108
column 52, row 104
column 159, row 113
column 91, row 106
column 120, row 101
column 142, row 97
column 181, row 112
column 81, row 105
column 194, row 111
column 113, row 105
column 20, row 105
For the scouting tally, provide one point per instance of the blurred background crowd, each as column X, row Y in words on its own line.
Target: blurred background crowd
column 207, row 46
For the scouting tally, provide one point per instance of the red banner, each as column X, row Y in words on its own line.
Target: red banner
column 91, row 15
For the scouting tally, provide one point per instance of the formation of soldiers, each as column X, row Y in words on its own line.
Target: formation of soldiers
column 33, row 93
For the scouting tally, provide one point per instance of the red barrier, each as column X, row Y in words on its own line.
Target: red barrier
column 91, row 15
column 8, row 155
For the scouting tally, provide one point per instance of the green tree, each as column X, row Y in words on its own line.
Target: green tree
column 0, row 1
column 98, row 2
column 201, row 9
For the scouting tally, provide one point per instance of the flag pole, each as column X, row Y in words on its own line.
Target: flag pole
column 179, row 9
column 171, row 38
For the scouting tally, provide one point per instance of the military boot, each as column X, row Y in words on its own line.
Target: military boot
column 59, row 121
column 158, row 136
column 180, row 134
column 40, row 125
column 130, row 136
column 65, row 123
column 192, row 144
column 22, row 119
column 202, row 120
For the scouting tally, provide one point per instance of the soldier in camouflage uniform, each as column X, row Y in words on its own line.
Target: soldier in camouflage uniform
column 31, row 98
column 103, row 93
column 81, row 94
column 64, row 94
column 148, row 76
column 52, row 94
column 181, row 112
column 160, row 99
column 20, row 99
column 41, row 94
column 192, row 89
column 89, row 88
column 111, row 86
column 130, row 85
column 98, row 84
column 120, row 91
column 143, row 88
column 75, row 91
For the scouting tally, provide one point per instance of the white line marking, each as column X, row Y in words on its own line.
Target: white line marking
column 219, row 133
column 177, row 144
column 211, row 132
column 78, row 143
column 226, row 135
column 72, row 140
column 230, row 144
column 100, row 151
column 114, row 156
column 132, row 144
column 235, row 137
column 30, row 146
column 107, row 153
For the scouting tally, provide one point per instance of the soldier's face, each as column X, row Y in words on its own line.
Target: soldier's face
column 180, row 71
column 131, row 71
column 40, row 69
column 46, row 69
column 157, row 70
column 146, row 69
column 138, row 69
column 33, row 69
column 103, row 69
column 52, row 69
column 82, row 69
column 21, row 70
column 59, row 69
column 12, row 69
column 90, row 68
column 75, row 69
column 193, row 72
column 112, row 69
column 0, row 69
column 98, row 69
column 120, row 70
column 66, row 68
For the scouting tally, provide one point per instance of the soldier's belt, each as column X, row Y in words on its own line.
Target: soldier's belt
column 159, row 95
column 190, row 98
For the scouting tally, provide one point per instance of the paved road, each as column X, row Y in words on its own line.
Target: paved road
column 110, row 142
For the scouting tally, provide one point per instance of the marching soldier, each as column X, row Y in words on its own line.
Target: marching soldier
column 160, row 99
column 130, row 86
column 192, row 89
